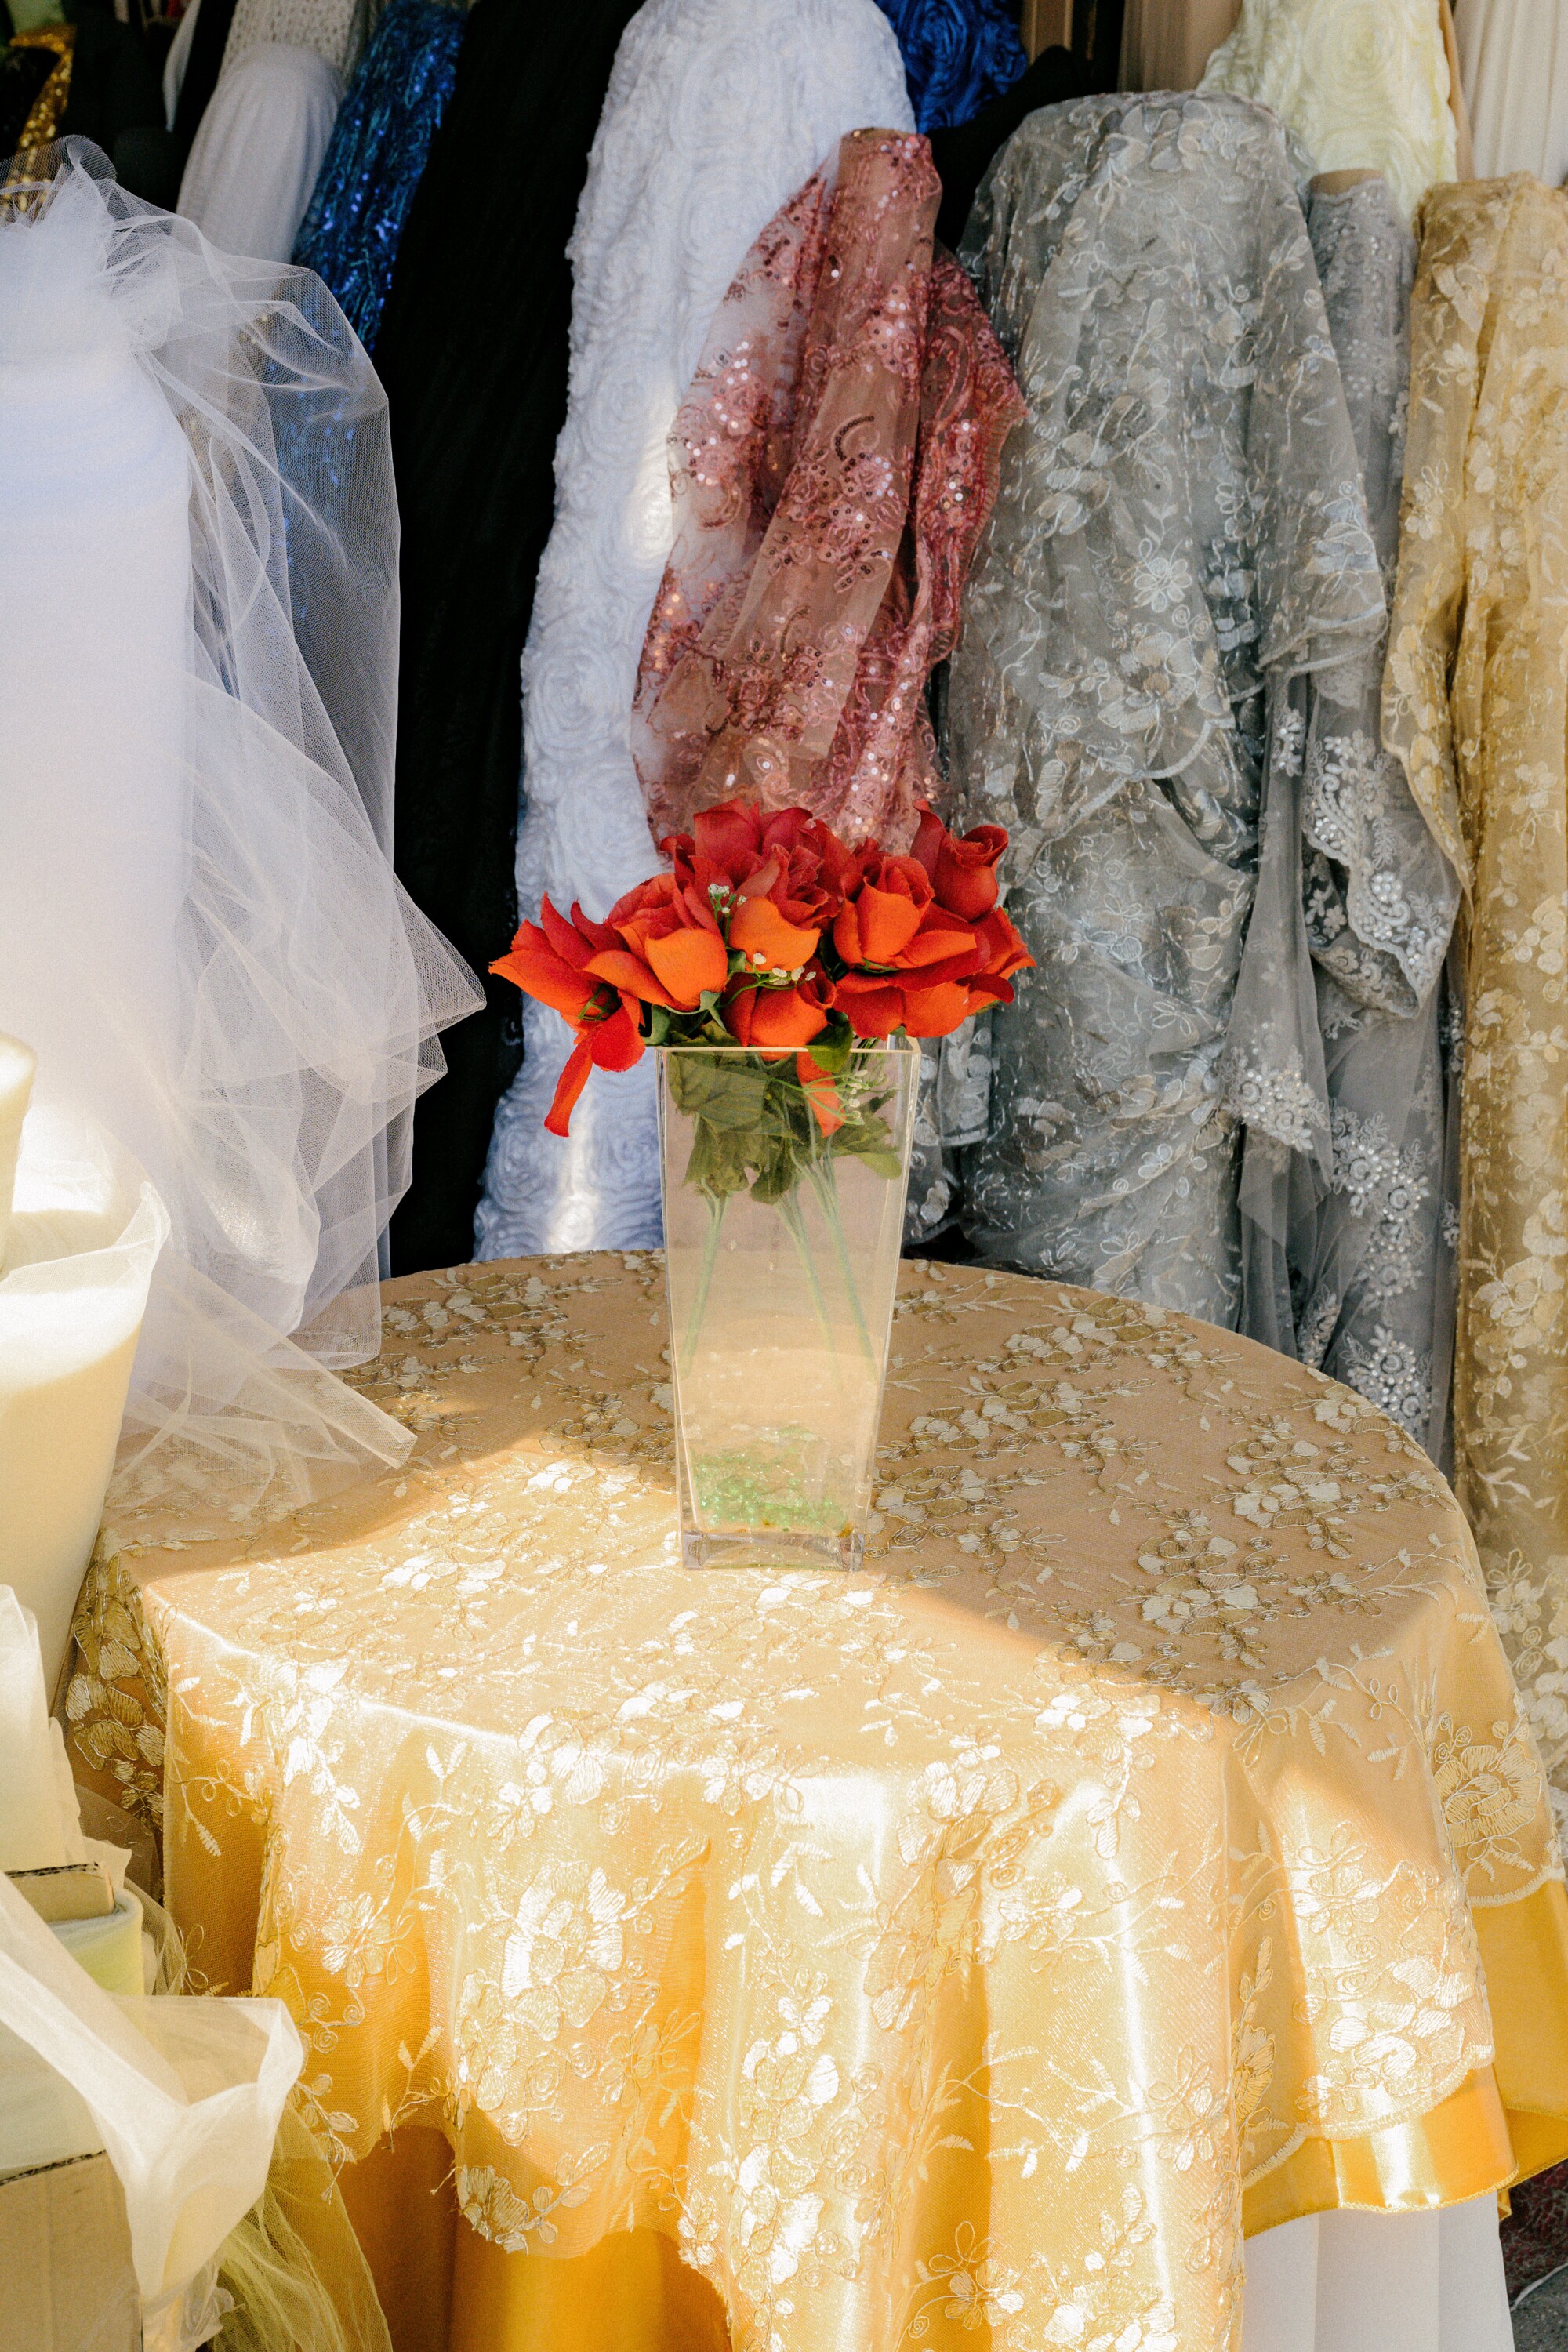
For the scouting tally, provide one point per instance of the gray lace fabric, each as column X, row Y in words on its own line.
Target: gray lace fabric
column 1360, row 1280
column 1181, row 540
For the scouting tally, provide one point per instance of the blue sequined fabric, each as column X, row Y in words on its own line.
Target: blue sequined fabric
column 378, row 150
column 958, row 55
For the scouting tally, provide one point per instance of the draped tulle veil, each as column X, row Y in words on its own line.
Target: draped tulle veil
column 200, row 930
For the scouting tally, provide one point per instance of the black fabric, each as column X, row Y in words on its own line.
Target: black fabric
column 963, row 155
column 472, row 349
column 7, row 25
column 149, row 162
column 206, row 57
column 23, row 73
column 114, row 83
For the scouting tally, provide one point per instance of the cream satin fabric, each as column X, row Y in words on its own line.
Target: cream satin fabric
column 987, row 1938
column 1475, row 702
column 1379, row 2282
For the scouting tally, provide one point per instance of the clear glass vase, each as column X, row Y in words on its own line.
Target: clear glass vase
column 782, row 1234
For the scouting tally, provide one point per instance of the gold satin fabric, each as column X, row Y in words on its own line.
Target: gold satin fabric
column 956, row 1955
column 1476, row 704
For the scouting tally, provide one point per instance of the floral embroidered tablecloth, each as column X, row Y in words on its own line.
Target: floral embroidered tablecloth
column 961, row 1952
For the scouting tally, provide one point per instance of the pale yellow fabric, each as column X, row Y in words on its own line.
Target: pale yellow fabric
column 1363, row 83
column 934, row 1955
column 1476, row 703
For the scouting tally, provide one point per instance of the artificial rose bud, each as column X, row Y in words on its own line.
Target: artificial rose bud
column 965, row 872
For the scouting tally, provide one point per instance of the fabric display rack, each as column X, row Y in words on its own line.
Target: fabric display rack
column 1027, row 552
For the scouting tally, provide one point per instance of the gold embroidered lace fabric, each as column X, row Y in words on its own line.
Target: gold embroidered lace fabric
column 1476, row 700
column 971, row 1945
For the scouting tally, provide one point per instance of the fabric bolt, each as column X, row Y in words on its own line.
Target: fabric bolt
column 717, row 111
column 1476, row 705
column 1514, row 59
column 379, row 145
column 963, row 152
column 249, row 175
column 1167, row 44
column 1148, row 1846
column 178, row 60
column 832, row 467
column 1180, row 535
column 958, row 55
column 203, row 65
column 1360, row 1278
column 473, row 349
column 200, row 933
column 1363, row 84
column 334, row 29
column 113, row 82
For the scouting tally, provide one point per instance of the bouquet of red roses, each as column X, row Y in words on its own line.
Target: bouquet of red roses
column 769, row 934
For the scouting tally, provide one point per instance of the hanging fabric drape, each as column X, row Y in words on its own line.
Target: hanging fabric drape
column 379, row 145
column 254, row 164
column 1513, row 59
column 833, row 466
column 200, row 932
column 758, row 92
column 1358, row 1279
column 1476, row 705
column 472, row 348
column 958, row 55
column 1180, row 534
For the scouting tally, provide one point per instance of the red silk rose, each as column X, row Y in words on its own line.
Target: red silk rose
column 768, row 933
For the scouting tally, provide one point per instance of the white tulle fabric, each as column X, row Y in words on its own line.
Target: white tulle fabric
column 1363, row 84
column 1513, row 62
column 252, row 166
column 716, row 111
column 200, row 932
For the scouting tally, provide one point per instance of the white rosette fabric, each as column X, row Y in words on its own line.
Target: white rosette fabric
column 716, row 111
column 200, row 932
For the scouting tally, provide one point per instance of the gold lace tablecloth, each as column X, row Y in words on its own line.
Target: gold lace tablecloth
column 950, row 1955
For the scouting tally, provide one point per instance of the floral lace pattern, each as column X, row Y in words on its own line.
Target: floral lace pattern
column 1180, row 537
column 967, row 1936
column 1351, row 1270
column 1363, row 84
column 717, row 113
column 833, row 466
column 1474, row 706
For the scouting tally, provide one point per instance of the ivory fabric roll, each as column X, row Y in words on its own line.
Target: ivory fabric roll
column 1513, row 57
column 253, row 168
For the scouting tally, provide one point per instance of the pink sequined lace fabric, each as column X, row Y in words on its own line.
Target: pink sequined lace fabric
column 833, row 466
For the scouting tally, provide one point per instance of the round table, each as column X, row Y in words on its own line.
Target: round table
column 965, row 1952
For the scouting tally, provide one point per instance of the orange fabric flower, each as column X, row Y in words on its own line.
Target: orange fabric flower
column 555, row 960
column 774, row 1021
column 670, row 949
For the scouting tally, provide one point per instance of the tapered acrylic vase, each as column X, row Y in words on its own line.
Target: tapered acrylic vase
column 782, row 1242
